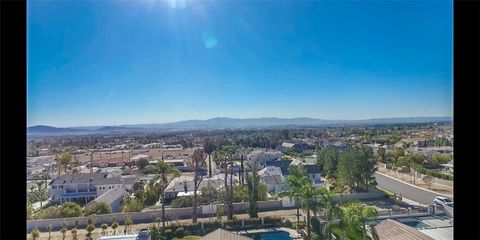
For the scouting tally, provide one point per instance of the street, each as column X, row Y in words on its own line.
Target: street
column 406, row 190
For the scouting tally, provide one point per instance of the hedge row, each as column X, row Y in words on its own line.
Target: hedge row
column 444, row 176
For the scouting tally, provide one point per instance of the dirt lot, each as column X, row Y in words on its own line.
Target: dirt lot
column 156, row 153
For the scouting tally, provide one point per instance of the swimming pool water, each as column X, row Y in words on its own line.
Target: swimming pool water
column 280, row 235
column 416, row 224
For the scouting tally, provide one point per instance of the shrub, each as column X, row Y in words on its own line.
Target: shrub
column 168, row 233
column 155, row 233
column 70, row 209
column 97, row 208
column 288, row 223
column 180, row 232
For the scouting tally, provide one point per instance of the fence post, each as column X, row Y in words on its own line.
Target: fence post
column 391, row 212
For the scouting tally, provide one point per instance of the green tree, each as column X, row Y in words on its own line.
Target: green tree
column 332, row 210
column 209, row 193
column 198, row 160
column 253, row 182
column 133, row 205
column 327, row 158
column 163, row 170
column 295, row 180
column 208, row 148
column 97, row 208
column 381, row 155
column 65, row 160
column 48, row 213
column 355, row 215
column 70, row 209
column 142, row 163
column 398, row 152
column 439, row 158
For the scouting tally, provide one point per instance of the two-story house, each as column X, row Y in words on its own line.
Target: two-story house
column 83, row 187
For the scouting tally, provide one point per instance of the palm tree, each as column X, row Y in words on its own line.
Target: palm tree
column 208, row 149
column 198, row 161
column 65, row 160
column 41, row 191
column 163, row 170
column 295, row 181
column 308, row 201
column 331, row 210
column 355, row 215
column 49, row 229
column 58, row 163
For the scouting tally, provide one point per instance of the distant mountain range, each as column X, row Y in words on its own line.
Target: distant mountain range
column 222, row 123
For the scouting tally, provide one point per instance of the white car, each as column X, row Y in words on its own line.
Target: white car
column 443, row 201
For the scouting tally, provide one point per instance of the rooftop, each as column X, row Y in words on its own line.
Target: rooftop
column 221, row 234
column 393, row 230
column 85, row 178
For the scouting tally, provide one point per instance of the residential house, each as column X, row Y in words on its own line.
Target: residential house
column 261, row 157
column 272, row 177
column 314, row 173
column 83, row 187
column 185, row 184
column 113, row 198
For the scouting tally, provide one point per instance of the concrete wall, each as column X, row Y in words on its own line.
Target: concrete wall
column 373, row 194
column 144, row 217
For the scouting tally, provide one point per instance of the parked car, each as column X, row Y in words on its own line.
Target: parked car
column 443, row 201
column 144, row 234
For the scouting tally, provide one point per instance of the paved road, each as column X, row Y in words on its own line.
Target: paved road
column 407, row 190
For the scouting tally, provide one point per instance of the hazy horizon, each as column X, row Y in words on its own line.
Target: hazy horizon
column 245, row 118
column 92, row 63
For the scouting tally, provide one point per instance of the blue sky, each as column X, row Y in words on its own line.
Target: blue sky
column 120, row 62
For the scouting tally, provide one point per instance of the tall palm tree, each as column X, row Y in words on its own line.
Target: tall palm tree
column 300, row 187
column 308, row 201
column 331, row 210
column 163, row 170
column 208, row 148
column 198, row 160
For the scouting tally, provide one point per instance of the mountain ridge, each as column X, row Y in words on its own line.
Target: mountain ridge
column 225, row 122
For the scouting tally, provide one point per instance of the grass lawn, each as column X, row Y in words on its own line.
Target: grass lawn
column 351, row 233
column 191, row 237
